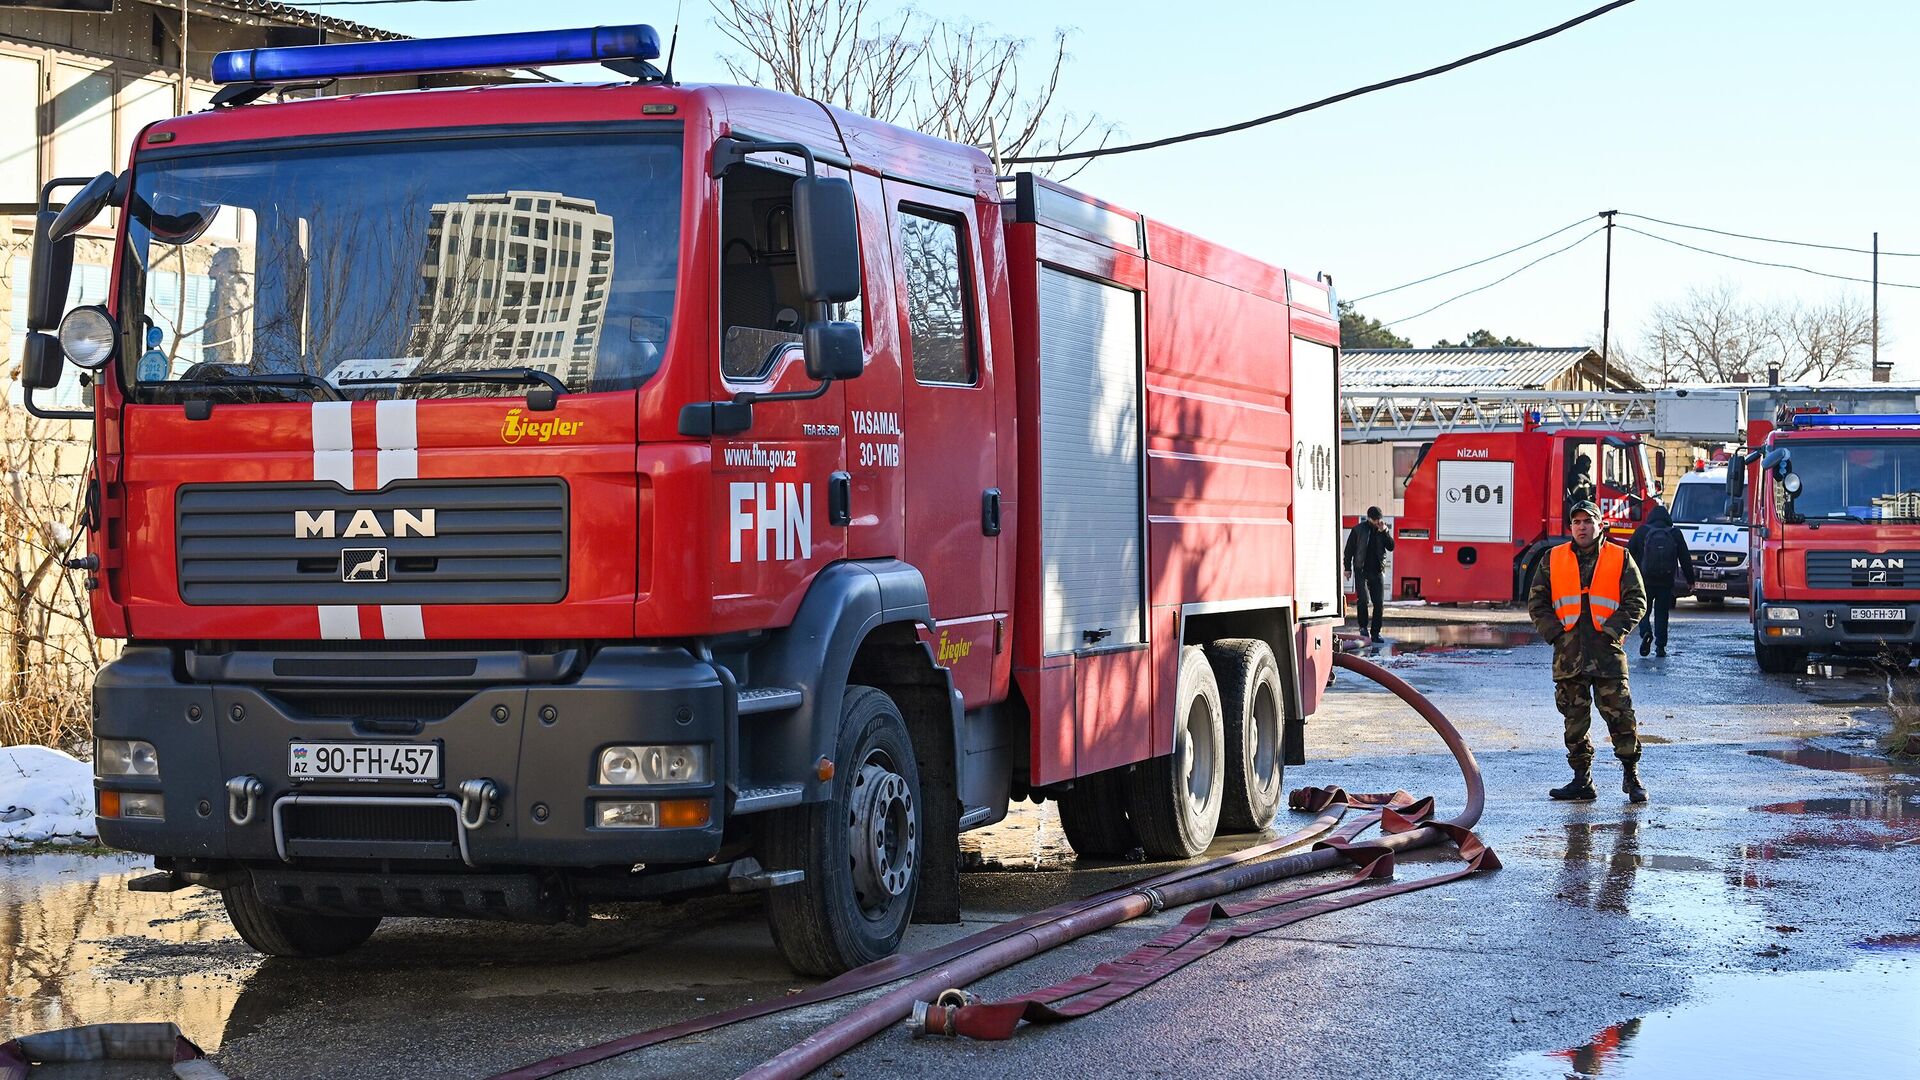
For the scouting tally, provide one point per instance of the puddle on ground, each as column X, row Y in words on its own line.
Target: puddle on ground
column 1603, row 868
column 1899, row 803
column 77, row 948
column 1890, row 943
column 1855, row 1022
column 1813, row 757
column 1452, row 637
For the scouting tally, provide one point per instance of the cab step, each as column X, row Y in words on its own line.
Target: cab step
column 766, row 699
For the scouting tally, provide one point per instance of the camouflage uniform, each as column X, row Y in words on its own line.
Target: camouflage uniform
column 1589, row 665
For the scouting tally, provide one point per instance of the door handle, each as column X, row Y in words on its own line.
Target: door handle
column 990, row 512
column 840, row 499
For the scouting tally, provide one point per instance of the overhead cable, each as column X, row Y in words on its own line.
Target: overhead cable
column 1763, row 262
column 1046, row 159
column 1461, row 296
column 1774, row 239
column 1477, row 262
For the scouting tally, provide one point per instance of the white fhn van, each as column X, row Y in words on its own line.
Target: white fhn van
column 1717, row 538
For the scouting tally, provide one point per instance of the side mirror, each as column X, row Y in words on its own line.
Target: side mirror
column 42, row 362
column 84, row 207
column 49, row 276
column 826, row 234
column 834, row 350
column 1736, row 479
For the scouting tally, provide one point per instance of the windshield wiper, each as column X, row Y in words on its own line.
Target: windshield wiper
column 293, row 380
column 501, row 376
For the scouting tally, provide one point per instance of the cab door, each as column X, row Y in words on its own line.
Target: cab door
column 944, row 435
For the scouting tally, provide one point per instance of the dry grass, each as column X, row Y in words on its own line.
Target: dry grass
column 1903, row 701
column 55, row 710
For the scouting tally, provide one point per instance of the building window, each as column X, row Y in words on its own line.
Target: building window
column 1405, row 460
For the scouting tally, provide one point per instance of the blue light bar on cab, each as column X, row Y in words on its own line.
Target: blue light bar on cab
column 421, row 56
column 1857, row 420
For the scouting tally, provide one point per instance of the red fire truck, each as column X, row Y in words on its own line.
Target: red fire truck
column 1834, row 519
column 519, row 497
column 1482, row 508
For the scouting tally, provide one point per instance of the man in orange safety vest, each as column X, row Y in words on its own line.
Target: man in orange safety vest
column 1586, row 597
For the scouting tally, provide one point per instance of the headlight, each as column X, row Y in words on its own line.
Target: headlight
column 1791, row 614
column 125, row 757
column 87, row 336
column 653, row 765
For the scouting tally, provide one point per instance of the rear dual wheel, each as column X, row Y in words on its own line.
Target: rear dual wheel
column 1174, row 801
column 1252, row 712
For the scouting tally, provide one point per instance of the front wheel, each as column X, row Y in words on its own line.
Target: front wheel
column 860, row 848
column 277, row 931
column 1777, row 659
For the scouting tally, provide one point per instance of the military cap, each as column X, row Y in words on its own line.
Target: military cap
column 1586, row 506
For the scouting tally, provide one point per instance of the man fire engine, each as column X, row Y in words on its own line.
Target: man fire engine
column 564, row 493
column 1835, row 536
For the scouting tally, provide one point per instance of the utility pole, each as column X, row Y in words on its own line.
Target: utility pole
column 1876, row 304
column 1606, row 306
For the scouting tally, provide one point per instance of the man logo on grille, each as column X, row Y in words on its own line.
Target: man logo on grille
column 363, row 564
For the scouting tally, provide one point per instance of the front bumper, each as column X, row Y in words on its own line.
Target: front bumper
column 537, row 742
column 1830, row 627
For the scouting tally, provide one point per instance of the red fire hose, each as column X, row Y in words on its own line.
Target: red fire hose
column 970, row 959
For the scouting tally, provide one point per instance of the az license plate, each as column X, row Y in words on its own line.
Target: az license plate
column 1711, row 586
column 1877, row 614
column 413, row 762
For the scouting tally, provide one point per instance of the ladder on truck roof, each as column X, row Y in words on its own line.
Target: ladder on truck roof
column 1416, row 414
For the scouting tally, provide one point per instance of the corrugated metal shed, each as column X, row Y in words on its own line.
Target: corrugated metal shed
column 1507, row 369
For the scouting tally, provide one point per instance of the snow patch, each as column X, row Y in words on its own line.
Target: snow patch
column 45, row 795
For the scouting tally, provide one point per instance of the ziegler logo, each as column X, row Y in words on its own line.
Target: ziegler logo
column 323, row 523
column 951, row 651
column 514, row 428
column 1879, row 564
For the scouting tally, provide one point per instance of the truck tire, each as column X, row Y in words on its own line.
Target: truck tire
column 1252, row 713
column 860, row 847
column 1777, row 659
column 280, row 932
column 1175, row 800
column 1094, row 816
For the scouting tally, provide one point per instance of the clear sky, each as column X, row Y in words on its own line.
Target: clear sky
column 1769, row 117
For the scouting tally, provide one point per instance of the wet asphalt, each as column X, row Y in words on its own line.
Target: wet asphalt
column 1758, row 918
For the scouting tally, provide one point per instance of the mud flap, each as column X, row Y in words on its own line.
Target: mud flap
column 938, row 901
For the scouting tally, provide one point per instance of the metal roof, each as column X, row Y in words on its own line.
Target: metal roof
column 268, row 12
column 1513, row 369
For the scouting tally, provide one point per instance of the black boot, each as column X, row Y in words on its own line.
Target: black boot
column 1630, row 782
column 1662, row 650
column 1646, row 645
column 1578, row 789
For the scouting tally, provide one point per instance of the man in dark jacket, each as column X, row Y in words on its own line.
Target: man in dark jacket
column 1660, row 551
column 1366, row 558
column 1584, row 615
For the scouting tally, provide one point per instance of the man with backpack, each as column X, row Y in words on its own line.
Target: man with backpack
column 1660, row 551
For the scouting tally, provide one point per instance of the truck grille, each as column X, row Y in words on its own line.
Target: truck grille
column 492, row 542
column 1862, row 569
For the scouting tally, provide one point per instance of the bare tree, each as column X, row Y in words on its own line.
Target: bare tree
column 1713, row 334
column 954, row 79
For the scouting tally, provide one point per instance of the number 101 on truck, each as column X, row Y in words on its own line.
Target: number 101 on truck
column 556, row 494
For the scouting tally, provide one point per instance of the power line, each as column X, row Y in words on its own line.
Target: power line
column 1772, row 239
column 1046, row 159
column 1763, row 262
column 1558, row 251
column 1468, row 266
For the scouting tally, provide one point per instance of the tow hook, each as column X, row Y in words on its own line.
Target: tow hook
column 477, row 800
column 936, row 1017
column 243, row 798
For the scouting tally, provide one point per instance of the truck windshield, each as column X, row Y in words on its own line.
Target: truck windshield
column 405, row 257
column 1704, row 504
column 1869, row 480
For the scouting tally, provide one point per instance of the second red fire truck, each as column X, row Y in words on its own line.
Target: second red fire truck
column 521, row 497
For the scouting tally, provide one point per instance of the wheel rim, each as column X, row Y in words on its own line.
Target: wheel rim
column 1266, row 738
column 1197, row 753
column 883, row 835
